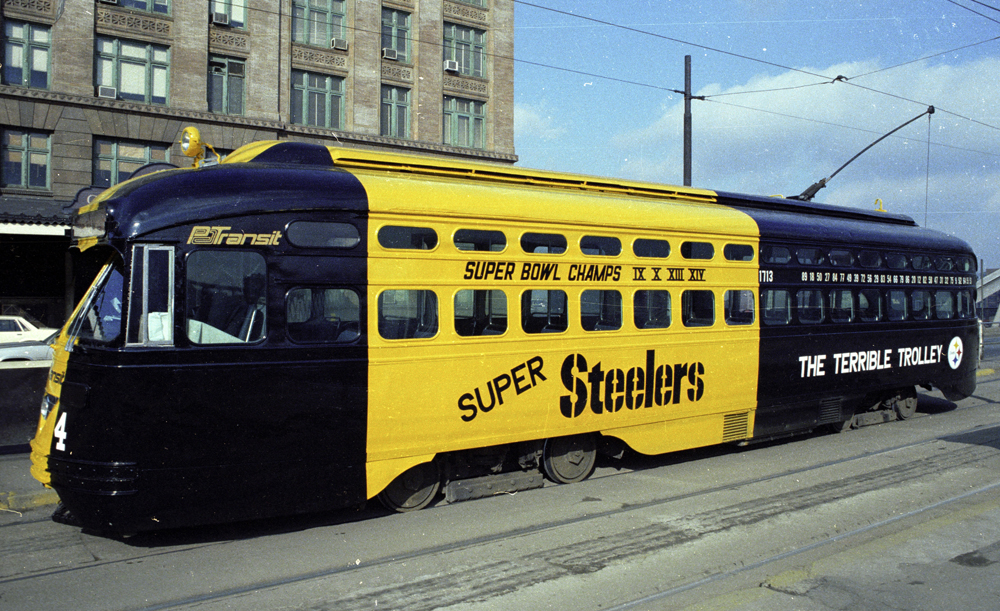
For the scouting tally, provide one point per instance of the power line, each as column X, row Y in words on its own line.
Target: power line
column 962, row 6
column 826, row 79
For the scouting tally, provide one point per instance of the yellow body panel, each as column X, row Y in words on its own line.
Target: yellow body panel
column 41, row 443
column 417, row 386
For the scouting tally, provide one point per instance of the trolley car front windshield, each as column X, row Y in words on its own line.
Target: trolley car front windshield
column 99, row 319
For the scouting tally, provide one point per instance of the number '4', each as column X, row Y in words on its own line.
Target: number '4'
column 60, row 433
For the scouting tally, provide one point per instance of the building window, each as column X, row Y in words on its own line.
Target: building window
column 395, row 117
column 467, row 46
column 136, row 70
column 396, row 33
column 479, row 3
column 235, row 10
column 317, row 22
column 150, row 6
column 26, row 159
column 26, row 54
column 115, row 161
column 464, row 122
column 225, row 85
column 317, row 99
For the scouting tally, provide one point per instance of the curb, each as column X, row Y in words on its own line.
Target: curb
column 23, row 501
column 984, row 372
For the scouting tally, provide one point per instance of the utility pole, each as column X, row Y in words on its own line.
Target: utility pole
column 687, row 120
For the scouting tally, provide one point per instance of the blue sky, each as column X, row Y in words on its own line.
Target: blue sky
column 593, row 98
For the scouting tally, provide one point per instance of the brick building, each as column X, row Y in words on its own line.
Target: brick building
column 93, row 89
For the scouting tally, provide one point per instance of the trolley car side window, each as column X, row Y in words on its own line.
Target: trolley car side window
column 776, row 305
column 698, row 308
column 651, row 249
column 738, row 252
column 317, row 315
column 407, row 314
column 738, row 307
column 809, row 304
column 543, row 243
column 601, row 310
column 600, row 246
column 697, row 250
column 151, row 311
column 313, row 234
column 651, row 309
column 480, row 312
column 409, row 238
column 480, row 239
column 544, row 311
column 226, row 297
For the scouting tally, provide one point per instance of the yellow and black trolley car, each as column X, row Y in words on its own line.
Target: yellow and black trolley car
column 303, row 328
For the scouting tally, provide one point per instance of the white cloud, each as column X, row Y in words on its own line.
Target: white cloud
column 536, row 122
column 796, row 136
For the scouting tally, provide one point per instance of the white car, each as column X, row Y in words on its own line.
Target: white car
column 31, row 350
column 17, row 329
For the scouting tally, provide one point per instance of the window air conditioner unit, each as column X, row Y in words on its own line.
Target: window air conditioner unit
column 389, row 54
column 338, row 43
column 450, row 65
column 107, row 92
column 220, row 19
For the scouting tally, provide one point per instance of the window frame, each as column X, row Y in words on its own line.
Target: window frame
column 227, row 78
column 302, row 111
column 250, row 316
column 28, row 45
column 394, row 112
column 140, row 317
column 318, row 25
column 692, row 313
column 155, row 7
column 473, row 133
column 27, row 152
column 465, row 45
column 652, row 314
column 487, row 309
column 742, row 317
column 236, row 10
column 345, row 334
column 427, row 323
column 396, row 32
column 116, row 159
column 820, row 305
column 151, row 66
column 605, row 306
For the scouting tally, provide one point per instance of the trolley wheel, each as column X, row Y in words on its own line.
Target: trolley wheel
column 841, row 427
column 414, row 489
column 905, row 403
column 569, row 459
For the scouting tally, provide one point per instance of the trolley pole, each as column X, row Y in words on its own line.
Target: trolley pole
column 687, row 120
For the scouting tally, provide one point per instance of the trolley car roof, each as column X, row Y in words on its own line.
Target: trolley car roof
column 266, row 177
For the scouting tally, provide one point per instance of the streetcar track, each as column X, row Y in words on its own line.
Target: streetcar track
column 485, row 580
column 549, row 565
column 480, row 582
column 800, row 550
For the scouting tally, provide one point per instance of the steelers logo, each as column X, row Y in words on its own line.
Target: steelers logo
column 955, row 352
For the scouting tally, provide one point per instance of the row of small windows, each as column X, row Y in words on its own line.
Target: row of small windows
column 226, row 303
column 871, row 259
column 412, row 313
column 425, row 238
column 814, row 306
